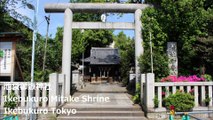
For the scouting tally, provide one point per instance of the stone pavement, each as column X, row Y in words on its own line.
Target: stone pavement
column 103, row 88
column 118, row 107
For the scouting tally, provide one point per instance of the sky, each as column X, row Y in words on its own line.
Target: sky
column 57, row 19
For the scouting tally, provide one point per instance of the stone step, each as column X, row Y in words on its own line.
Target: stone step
column 103, row 108
column 101, row 118
column 114, row 91
column 106, row 109
column 105, row 113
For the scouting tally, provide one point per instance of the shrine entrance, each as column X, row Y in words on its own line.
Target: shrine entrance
column 69, row 8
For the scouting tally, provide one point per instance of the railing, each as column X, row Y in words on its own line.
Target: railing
column 21, row 90
column 201, row 90
column 41, row 90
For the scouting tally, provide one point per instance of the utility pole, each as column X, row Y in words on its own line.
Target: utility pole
column 150, row 42
column 45, row 46
column 82, row 31
column 35, row 27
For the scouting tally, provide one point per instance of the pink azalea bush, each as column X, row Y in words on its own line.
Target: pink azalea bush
column 192, row 78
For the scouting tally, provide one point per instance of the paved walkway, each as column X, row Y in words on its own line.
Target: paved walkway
column 104, row 88
column 113, row 99
column 117, row 95
column 118, row 106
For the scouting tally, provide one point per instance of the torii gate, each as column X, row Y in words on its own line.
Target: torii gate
column 69, row 8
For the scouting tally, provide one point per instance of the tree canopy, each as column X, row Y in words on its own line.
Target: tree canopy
column 187, row 22
column 127, row 55
column 7, row 10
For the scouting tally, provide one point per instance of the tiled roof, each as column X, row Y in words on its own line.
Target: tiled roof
column 104, row 56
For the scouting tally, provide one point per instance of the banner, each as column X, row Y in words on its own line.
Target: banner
column 5, row 57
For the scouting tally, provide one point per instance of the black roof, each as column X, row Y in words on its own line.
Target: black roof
column 103, row 56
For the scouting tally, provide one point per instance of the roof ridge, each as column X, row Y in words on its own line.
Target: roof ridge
column 103, row 48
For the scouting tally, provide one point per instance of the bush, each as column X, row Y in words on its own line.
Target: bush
column 182, row 101
column 136, row 97
column 10, row 104
column 156, row 101
column 208, row 77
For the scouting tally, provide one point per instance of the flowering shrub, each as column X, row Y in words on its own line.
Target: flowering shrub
column 192, row 78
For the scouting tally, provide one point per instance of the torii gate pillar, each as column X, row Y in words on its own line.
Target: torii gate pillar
column 67, row 47
column 138, row 43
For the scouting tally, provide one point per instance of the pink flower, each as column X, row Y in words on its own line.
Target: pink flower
column 191, row 91
column 163, row 93
column 173, row 78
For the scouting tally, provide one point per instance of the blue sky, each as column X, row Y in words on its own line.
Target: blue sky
column 57, row 19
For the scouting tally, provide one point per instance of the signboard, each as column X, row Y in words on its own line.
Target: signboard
column 5, row 57
column 173, row 60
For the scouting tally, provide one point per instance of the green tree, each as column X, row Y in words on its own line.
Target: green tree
column 11, row 21
column 82, row 42
column 127, row 53
column 154, row 31
column 183, row 21
column 8, row 14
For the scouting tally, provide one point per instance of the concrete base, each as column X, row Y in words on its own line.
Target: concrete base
column 48, row 116
column 163, row 114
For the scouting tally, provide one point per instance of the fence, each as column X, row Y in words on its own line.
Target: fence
column 150, row 89
column 44, row 92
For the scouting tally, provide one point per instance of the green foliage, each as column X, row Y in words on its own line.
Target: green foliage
column 160, row 64
column 84, row 41
column 156, row 101
column 127, row 55
column 10, row 102
column 1, row 53
column 182, row 101
column 136, row 97
column 153, row 28
column 8, row 9
column 208, row 77
column 187, row 22
column 96, row 38
column 207, row 100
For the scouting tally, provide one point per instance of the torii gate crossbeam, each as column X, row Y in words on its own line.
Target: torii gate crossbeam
column 103, row 25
